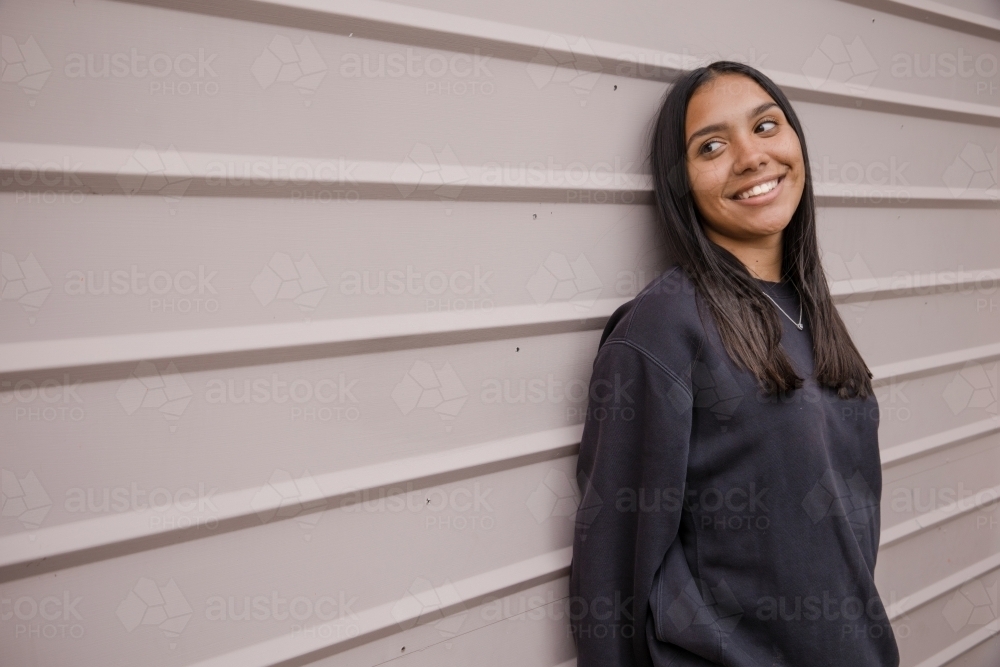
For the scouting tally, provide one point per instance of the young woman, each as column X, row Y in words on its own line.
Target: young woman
column 729, row 465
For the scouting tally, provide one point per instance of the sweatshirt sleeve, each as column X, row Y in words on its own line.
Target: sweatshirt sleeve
column 631, row 472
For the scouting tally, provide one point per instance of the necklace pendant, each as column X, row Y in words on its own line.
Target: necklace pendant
column 799, row 326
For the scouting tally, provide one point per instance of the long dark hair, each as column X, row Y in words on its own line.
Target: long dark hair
column 747, row 321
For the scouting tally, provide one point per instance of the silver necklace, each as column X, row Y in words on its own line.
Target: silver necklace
column 797, row 324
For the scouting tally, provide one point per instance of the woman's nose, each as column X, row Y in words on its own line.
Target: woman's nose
column 748, row 155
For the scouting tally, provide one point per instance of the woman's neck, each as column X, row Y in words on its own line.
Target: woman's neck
column 762, row 256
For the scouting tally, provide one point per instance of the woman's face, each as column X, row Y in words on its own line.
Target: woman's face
column 744, row 161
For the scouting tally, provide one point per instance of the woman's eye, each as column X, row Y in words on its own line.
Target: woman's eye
column 767, row 125
column 707, row 147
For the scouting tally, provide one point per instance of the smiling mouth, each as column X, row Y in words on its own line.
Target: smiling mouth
column 758, row 190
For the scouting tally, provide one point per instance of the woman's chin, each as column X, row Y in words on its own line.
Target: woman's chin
column 749, row 230
column 763, row 222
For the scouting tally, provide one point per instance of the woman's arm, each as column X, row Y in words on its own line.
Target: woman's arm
column 631, row 472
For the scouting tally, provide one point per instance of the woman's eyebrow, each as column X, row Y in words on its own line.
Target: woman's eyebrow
column 761, row 109
column 708, row 129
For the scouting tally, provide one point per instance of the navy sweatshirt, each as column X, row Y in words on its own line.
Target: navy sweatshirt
column 717, row 525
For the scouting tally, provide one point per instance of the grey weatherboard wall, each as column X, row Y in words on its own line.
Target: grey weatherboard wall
column 299, row 302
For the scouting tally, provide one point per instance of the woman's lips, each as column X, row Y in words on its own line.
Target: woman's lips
column 762, row 199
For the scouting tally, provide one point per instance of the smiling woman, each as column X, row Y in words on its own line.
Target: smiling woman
column 746, row 170
column 730, row 509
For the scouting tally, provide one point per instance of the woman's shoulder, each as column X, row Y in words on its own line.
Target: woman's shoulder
column 661, row 321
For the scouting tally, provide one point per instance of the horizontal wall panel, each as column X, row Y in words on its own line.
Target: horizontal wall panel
column 342, row 412
column 533, row 619
column 334, row 262
column 173, row 120
column 938, row 479
column 689, row 32
column 983, row 8
column 904, row 565
column 538, row 637
column 135, row 519
column 466, row 529
column 108, row 290
column 933, row 404
column 936, row 630
column 983, row 653
column 975, row 17
column 954, row 318
column 864, row 243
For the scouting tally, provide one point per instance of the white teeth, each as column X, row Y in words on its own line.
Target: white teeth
column 758, row 190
